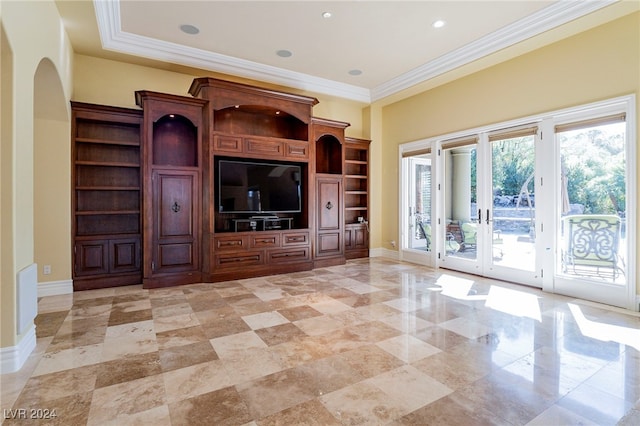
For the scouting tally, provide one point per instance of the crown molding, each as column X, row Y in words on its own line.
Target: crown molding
column 113, row 38
column 546, row 19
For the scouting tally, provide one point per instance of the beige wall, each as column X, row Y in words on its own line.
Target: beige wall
column 106, row 82
column 601, row 63
column 22, row 23
column 52, row 199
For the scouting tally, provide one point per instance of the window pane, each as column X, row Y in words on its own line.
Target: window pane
column 593, row 202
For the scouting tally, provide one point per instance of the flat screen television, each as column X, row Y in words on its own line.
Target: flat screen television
column 259, row 188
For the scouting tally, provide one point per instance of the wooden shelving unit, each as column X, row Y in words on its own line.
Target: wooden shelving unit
column 356, row 197
column 106, row 196
column 145, row 185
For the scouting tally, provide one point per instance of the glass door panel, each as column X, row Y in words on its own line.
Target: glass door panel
column 461, row 226
column 513, row 216
column 419, row 235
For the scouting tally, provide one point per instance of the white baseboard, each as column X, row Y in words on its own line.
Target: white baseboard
column 54, row 288
column 383, row 252
column 13, row 358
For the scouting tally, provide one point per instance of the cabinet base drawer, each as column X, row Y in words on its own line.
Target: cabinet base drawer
column 232, row 260
column 231, row 243
column 290, row 255
column 295, row 238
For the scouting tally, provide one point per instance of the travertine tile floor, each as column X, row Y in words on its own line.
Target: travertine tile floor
column 371, row 342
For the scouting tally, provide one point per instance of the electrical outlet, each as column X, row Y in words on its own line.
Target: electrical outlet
column 46, row 269
column 393, row 244
column 360, row 219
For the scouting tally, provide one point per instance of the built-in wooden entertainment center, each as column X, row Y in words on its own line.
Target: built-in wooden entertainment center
column 234, row 181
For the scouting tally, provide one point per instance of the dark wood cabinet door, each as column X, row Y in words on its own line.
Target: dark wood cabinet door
column 91, row 257
column 124, row 255
column 360, row 238
column 329, row 204
column 176, row 246
column 329, row 231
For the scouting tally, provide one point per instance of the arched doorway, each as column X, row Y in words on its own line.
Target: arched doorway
column 51, row 177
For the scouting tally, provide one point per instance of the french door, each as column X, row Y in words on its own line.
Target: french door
column 488, row 204
column 548, row 204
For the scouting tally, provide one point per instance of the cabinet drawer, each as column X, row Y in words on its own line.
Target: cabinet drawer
column 235, row 260
column 227, row 143
column 296, row 150
column 262, row 241
column 295, row 239
column 290, row 255
column 232, row 242
column 263, row 147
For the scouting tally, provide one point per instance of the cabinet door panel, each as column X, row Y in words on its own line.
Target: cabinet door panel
column 125, row 255
column 329, row 243
column 348, row 238
column 171, row 255
column 92, row 257
column 175, row 202
column 360, row 239
column 175, row 209
column 329, row 204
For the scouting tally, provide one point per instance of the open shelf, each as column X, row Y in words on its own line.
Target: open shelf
column 356, row 196
column 107, row 195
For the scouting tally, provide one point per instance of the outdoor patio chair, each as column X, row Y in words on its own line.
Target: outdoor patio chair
column 451, row 245
column 469, row 235
column 591, row 243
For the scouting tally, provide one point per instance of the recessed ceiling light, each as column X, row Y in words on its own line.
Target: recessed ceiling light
column 284, row 53
column 355, row 72
column 326, row 15
column 189, row 29
column 439, row 23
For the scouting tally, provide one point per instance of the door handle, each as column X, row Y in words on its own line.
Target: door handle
column 479, row 216
column 488, row 217
column 329, row 206
column 175, row 207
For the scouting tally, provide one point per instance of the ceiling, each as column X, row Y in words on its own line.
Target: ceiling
column 365, row 51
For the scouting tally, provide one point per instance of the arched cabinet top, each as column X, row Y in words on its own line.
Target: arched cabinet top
column 174, row 142
column 225, row 94
column 325, row 127
column 157, row 105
